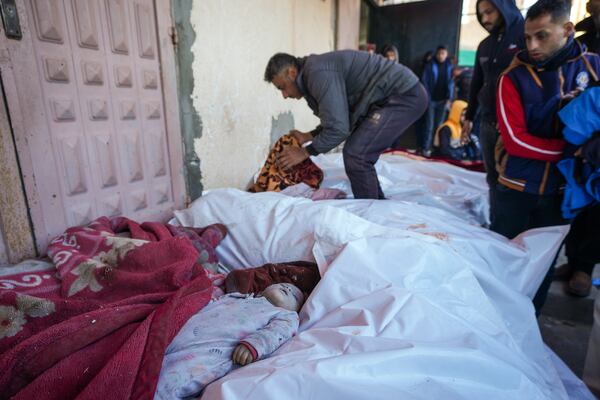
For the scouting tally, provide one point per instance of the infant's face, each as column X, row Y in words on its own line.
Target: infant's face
column 284, row 295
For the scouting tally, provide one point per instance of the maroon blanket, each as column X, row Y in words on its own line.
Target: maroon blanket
column 466, row 164
column 304, row 275
column 121, row 302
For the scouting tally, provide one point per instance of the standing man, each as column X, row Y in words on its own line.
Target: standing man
column 362, row 99
column 437, row 79
column 530, row 93
column 578, row 271
column 582, row 241
column 591, row 27
column 390, row 52
column 503, row 20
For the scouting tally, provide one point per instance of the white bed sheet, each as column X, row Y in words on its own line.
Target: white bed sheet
column 456, row 190
column 415, row 301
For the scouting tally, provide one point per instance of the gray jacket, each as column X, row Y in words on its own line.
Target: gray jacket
column 341, row 86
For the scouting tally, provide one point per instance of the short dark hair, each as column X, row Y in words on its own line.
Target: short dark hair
column 278, row 63
column 387, row 48
column 390, row 48
column 441, row 47
column 559, row 10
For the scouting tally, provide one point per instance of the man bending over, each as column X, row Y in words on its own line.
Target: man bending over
column 362, row 99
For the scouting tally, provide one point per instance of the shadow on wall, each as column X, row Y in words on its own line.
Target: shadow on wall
column 281, row 125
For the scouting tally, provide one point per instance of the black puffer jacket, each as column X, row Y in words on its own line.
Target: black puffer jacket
column 591, row 37
column 493, row 56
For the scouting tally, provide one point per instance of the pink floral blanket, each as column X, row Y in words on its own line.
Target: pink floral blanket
column 98, row 326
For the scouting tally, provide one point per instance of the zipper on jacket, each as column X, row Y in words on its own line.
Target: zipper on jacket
column 561, row 80
column 497, row 49
column 545, row 178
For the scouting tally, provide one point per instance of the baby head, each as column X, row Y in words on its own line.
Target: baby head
column 284, row 295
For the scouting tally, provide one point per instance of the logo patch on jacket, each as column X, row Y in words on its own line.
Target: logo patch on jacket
column 583, row 80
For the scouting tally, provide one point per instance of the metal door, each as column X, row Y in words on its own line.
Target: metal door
column 86, row 94
column 415, row 28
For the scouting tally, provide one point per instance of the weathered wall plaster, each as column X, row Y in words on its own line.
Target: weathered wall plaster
column 281, row 125
column 191, row 124
column 241, row 113
column 16, row 237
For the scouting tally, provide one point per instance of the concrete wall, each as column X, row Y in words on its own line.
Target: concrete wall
column 348, row 24
column 240, row 113
column 471, row 31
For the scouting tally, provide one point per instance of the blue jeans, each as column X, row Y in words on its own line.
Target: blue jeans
column 378, row 131
column 517, row 212
column 433, row 119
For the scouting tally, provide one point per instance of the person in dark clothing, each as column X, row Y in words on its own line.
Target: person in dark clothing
column 582, row 252
column 581, row 258
column 503, row 20
column 462, row 83
column 390, row 52
column 362, row 99
column 437, row 79
column 581, row 244
column 530, row 94
column 421, row 123
column 591, row 27
column 427, row 58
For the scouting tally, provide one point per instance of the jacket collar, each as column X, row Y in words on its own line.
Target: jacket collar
column 570, row 52
column 586, row 25
column 300, row 82
column 300, row 76
column 312, row 103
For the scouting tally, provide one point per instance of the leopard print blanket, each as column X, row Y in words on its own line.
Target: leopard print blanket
column 272, row 179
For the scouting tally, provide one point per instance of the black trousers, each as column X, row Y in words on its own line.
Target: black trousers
column 488, row 137
column 517, row 212
column 378, row 131
column 583, row 241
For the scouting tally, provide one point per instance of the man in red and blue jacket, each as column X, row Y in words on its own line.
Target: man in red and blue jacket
column 530, row 93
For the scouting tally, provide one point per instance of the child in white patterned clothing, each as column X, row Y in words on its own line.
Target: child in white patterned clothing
column 234, row 329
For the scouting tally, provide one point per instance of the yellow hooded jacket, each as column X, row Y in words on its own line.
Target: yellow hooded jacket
column 453, row 122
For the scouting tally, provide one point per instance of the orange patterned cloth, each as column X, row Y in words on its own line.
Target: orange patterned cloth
column 272, row 179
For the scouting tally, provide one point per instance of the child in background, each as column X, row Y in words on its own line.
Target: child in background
column 448, row 136
column 234, row 329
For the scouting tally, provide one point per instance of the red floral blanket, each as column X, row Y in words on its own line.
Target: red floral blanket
column 121, row 302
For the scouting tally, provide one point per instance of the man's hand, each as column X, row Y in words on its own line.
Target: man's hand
column 241, row 355
column 301, row 137
column 466, row 131
column 291, row 157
